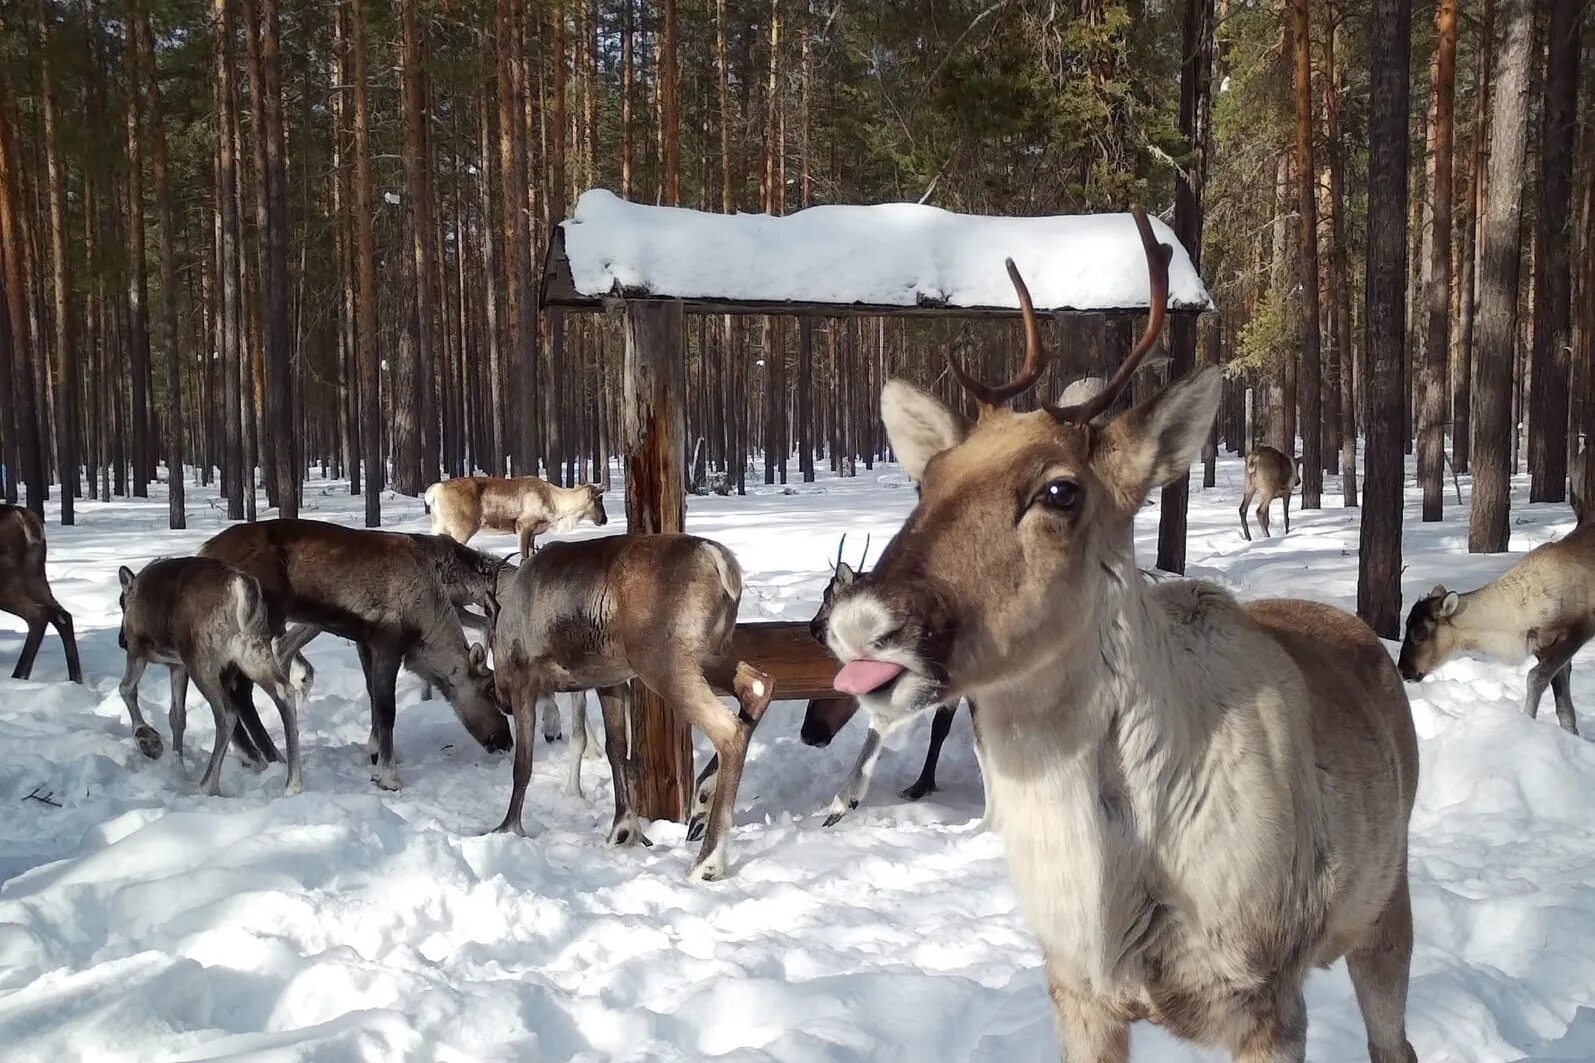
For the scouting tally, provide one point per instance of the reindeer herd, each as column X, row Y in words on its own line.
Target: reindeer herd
column 1200, row 799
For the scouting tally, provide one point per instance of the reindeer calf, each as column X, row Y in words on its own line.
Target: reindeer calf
column 1272, row 474
column 597, row 614
column 206, row 619
column 1544, row 606
column 525, row 505
column 25, row 591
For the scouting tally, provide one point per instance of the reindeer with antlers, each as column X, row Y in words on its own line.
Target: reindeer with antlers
column 1201, row 800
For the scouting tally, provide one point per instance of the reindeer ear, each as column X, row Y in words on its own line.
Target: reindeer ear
column 1439, row 591
column 1153, row 444
column 918, row 425
column 1448, row 605
column 844, row 574
column 125, row 576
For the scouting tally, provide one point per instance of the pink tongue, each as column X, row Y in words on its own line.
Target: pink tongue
column 864, row 675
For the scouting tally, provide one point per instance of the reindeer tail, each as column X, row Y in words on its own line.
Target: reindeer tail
column 429, row 499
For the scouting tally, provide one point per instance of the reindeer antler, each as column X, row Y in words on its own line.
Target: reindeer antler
column 991, row 396
column 1157, row 268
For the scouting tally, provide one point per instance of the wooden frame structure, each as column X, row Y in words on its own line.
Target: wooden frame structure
column 653, row 437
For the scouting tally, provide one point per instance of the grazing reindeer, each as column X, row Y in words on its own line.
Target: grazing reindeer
column 599, row 613
column 206, row 619
column 25, row 591
column 380, row 590
column 825, row 716
column 1200, row 800
column 525, row 505
column 1543, row 606
column 470, row 577
column 1272, row 474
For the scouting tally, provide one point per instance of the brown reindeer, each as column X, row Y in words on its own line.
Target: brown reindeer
column 1200, row 800
column 1543, row 606
column 599, row 613
column 1271, row 474
column 525, row 505
column 25, row 590
column 380, row 590
column 204, row 619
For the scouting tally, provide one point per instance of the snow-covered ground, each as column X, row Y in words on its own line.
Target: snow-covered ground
column 138, row 920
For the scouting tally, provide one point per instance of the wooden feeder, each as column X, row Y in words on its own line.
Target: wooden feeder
column 657, row 264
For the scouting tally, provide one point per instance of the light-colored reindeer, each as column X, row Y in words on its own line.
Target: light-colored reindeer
column 1542, row 607
column 1200, row 800
column 1272, row 474
column 526, row 505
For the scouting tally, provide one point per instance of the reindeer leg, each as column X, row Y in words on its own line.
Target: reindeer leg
column 692, row 695
column 30, row 648
column 148, row 739
column 940, row 724
column 249, row 718
column 384, row 676
column 1279, row 1031
column 1246, row 500
column 214, row 690
column 524, row 536
column 1379, row 972
column 1285, row 499
column 1262, row 515
column 578, row 743
column 523, row 705
column 364, row 653
column 625, row 829
column 178, row 716
column 1087, row 1031
column 988, row 815
column 857, row 784
column 702, row 797
column 552, row 731
column 1562, row 690
column 69, row 644
column 269, row 674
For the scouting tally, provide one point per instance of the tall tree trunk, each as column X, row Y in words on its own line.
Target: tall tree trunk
column 1437, row 335
column 669, row 88
column 1340, row 273
column 169, row 331
column 137, row 278
column 1379, row 556
column 1548, row 403
column 1196, row 68
column 1500, row 232
column 1462, row 379
column 423, row 258
column 24, row 339
column 66, row 361
column 1311, row 379
column 280, row 426
column 627, row 67
column 365, row 271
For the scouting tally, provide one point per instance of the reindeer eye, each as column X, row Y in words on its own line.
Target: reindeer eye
column 1061, row 496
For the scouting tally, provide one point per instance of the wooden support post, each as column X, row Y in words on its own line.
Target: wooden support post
column 655, row 441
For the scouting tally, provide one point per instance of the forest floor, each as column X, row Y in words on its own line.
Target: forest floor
column 139, row 920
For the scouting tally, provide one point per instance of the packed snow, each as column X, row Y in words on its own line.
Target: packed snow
column 890, row 254
column 139, row 920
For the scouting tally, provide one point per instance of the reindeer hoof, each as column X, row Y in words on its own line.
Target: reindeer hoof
column 626, row 834
column 149, row 741
column 711, row 870
column 386, row 779
column 834, row 818
column 293, row 788
column 552, row 738
column 918, row 790
column 509, row 828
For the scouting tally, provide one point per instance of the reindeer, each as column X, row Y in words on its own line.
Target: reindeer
column 206, row 619
column 599, row 613
column 525, row 505
column 1272, row 474
column 1543, row 606
column 826, row 716
column 1200, row 800
column 380, row 590
column 25, row 590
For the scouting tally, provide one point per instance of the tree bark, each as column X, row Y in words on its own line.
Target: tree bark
column 1311, row 378
column 423, row 257
column 1462, row 379
column 669, row 90
column 1500, row 232
column 1437, row 335
column 66, row 360
column 1340, row 273
column 24, row 340
column 1379, row 556
column 365, row 272
column 1548, row 404
column 137, row 278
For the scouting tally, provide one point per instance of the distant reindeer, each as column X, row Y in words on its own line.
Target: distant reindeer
column 1200, row 800
column 206, row 619
column 1271, row 474
column 824, row 717
column 599, row 613
column 381, row 591
column 525, row 505
column 1542, row 607
column 25, row 590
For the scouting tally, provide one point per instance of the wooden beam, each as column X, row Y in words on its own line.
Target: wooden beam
column 654, row 434
column 799, row 667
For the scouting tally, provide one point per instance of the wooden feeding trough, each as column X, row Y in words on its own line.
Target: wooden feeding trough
column 657, row 264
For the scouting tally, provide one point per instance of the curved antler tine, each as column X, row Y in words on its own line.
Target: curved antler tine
column 862, row 558
column 1035, row 362
column 1157, row 268
column 839, row 547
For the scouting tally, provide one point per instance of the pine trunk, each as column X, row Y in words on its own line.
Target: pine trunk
column 1437, row 295
column 66, row 360
column 365, row 272
column 1311, row 378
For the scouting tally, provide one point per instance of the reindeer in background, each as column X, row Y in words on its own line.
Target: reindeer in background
column 1201, row 800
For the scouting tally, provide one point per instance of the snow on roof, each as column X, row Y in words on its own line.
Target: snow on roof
column 888, row 255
